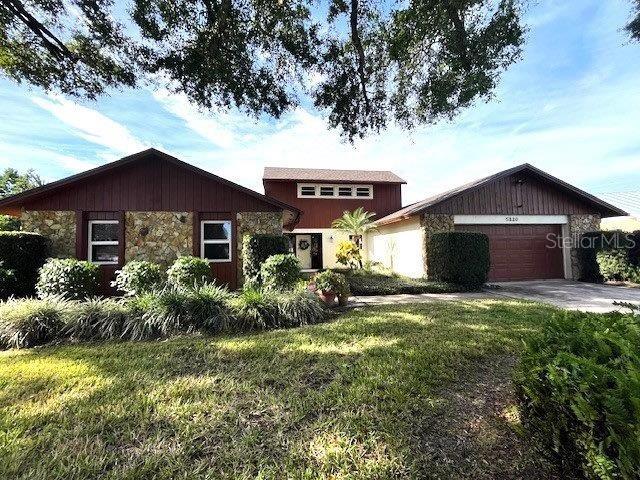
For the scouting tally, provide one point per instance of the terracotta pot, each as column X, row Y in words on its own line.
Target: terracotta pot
column 329, row 298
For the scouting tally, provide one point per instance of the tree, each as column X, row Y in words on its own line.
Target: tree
column 355, row 223
column 12, row 182
column 633, row 27
column 364, row 63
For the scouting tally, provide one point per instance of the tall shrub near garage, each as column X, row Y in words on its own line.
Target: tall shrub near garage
column 609, row 255
column 23, row 253
column 256, row 249
column 459, row 257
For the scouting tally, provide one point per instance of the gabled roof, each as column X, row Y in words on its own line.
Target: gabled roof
column 38, row 192
column 418, row 207
column 630, row 201
column 330, row 175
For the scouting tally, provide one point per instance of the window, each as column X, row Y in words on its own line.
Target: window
column 103, row 243
column 215, row 240
column 326, row 191
column 335, row 191
column 307, row 191
column 345, row 191
column 364, row 191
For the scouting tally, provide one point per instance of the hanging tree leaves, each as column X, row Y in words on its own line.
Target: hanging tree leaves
column 365, row 63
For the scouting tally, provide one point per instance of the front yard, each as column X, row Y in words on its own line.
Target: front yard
column 404, row 391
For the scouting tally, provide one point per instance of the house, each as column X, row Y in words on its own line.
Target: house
column 322, row 195
column 630, row 201
column 150, row 206
column 524, row 211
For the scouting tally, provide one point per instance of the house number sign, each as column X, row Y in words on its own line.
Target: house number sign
column 511, row 219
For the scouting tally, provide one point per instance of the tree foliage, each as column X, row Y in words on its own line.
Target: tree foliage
column 633, row 27
column 12, row 181
column 365, row 63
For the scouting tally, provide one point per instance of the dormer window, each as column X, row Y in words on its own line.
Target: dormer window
column 335, row 191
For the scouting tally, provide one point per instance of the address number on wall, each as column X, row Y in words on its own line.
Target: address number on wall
column 511, row 219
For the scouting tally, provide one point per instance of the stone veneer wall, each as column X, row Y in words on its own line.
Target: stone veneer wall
column 159, row 237
column 58, row 226
column 579, row 224
column 433, row 223
column 249, row 223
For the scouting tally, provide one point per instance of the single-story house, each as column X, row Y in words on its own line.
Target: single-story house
column 524, row 211
column 150, row 206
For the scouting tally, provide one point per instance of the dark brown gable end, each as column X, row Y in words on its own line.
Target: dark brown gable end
column 138, row 190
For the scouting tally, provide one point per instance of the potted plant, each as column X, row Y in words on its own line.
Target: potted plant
column 330, row 284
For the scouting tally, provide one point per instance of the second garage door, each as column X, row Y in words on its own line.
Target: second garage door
column 521, row 252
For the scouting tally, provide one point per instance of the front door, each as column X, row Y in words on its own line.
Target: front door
column 303, row 250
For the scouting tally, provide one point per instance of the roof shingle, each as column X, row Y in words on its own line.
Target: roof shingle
column 330, row 175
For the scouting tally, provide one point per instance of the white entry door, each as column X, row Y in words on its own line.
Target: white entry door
column 303, row 250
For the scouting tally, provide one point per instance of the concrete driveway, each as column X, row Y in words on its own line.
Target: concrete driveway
column 567, row 294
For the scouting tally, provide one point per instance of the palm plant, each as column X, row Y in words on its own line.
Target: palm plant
column 355, row 223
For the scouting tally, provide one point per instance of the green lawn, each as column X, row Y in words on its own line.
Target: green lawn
column 411, row 391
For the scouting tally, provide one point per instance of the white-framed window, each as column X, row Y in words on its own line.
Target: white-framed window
column 103, row 245
column 215, row 240
column 329, row 191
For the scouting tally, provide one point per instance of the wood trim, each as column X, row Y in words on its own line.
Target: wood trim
column 121, row 238
column 196, row 234
column 81, row 235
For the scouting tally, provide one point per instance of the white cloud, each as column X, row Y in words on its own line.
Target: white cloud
column 72, row 164
column 91, row 125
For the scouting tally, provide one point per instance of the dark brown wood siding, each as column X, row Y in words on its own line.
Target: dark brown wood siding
column 320, row 212
column 522, row 194
column 151, row 184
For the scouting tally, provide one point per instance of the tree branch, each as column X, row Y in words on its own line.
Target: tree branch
column 461, row 33
column 53, row 44
column 357, row 44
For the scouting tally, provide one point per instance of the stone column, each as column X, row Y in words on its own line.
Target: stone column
column 57, row 226
column 434, row 223
column 578, row 225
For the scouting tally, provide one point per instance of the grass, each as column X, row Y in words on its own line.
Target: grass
column 365, row 283
column 382, row 392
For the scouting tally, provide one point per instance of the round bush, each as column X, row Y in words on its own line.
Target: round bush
column 330, row 281
column 280, row 272
column 189, row 272
column 68, row 278
column 138, row 277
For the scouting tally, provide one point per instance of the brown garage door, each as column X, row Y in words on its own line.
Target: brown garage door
column 521, row 252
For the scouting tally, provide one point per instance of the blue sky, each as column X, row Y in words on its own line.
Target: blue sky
column 571, row 106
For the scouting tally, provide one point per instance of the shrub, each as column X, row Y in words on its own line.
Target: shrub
column 609, row 255
column 29, row 322
column 461, row 258
column 9, row 223
column 95, row 319
column 24, row 253
column 7, row 283
column 330, row 281
column 189, row 272
column 349, row 254
column 300, row 308
column 255, row 310
column 579, row 389
column 280, row 272
column 256, row 249
column 368, row 282
column 69, row 278
column 138, row 277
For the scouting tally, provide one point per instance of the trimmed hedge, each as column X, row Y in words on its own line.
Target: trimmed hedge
column 366, row 282
column 461, row 258
column 138, row 277
column 23, row 253
column 189, row 272
column 68, row 278
column 256, row 249
column 609, row 255
column 578, row 385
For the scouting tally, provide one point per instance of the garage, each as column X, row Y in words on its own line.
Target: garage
column 522, row 252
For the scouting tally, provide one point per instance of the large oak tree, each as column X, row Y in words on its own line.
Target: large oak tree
column 365, row 63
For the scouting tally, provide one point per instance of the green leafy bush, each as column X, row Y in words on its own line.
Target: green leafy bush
column 189, row 272
column 609, row 255
column 138, row 277
column 24, row 253
column 7, row 283
column 330, row 281
column 9, row 223
column 69, row 278
column 280, row 272
column 256, row 249
column 579, row 389
column 461, row 258
column 29, row 322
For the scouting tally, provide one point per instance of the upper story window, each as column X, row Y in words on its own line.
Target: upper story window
column 312, row 190
column 103, row 242
column 215, row 240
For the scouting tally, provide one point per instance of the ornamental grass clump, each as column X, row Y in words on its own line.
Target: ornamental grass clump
column 29, row 322
column 300, row 308
column 95, row 319
column 254, row 309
